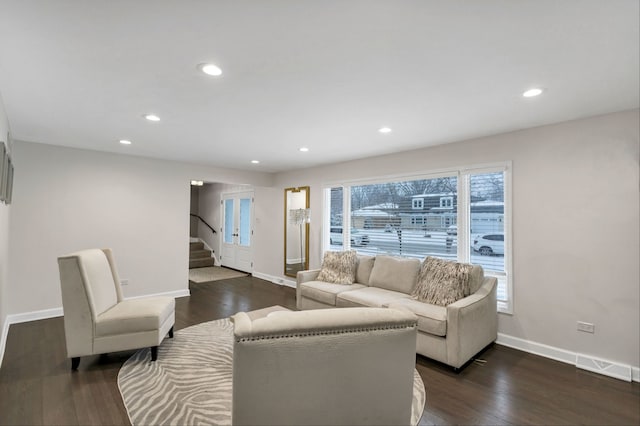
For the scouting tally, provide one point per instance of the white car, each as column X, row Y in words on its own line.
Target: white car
column 488, row 244
column 357, row 237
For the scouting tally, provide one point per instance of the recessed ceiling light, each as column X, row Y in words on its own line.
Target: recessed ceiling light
column 152, row 117
column 125, row 142
column 210, row 69
column 384, row 130
column 532, row 92
column 255, row 161
column 304, row 149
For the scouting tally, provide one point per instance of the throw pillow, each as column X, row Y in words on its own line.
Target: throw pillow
column 442, row 282
column 339, row 267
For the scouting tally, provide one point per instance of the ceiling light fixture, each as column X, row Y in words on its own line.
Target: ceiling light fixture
column 532, row 92
column 197, row 183
column 255, row 162
column 384, row 129
column 151, row 117
column 125, row 142
column 210, row 69
column 304, row 149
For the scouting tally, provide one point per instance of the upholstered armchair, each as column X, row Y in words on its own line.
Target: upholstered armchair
column 97, row 319
column 348, row 366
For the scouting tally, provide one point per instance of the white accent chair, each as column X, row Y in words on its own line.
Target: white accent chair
column 350, row 366
column 97, row 319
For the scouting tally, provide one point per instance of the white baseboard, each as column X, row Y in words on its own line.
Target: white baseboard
column 34, row 316
column 585, row 362
column 536, row 348
column 274, row 279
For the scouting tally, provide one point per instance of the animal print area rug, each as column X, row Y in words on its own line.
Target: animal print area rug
column 190, row 383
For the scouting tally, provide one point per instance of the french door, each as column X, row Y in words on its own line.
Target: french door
column 237, row 231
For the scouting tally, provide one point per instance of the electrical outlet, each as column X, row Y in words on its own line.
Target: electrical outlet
column 586, row 327
column 124, row 282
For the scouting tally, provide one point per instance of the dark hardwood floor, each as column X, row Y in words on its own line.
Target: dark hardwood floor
column 511, row 387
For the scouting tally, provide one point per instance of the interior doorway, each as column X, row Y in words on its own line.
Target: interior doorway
column 237, row 231
column 217, row 230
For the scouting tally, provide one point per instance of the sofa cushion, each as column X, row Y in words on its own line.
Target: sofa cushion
column 476, row 278
column 432, row 319
column 365, row 265
column 394, row 273
column 442, row 282
column 339, row 267
column 135, row 315
column 323, row 292
column 368, row 296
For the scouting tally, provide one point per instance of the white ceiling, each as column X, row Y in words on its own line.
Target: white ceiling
column 322, row 74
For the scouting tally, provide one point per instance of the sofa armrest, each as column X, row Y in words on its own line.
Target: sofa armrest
column 472, row 323
column 303, row 277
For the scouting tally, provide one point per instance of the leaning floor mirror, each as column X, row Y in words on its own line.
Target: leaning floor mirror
column 296, row 230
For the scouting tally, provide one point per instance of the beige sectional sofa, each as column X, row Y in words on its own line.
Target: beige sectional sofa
column 451, row 334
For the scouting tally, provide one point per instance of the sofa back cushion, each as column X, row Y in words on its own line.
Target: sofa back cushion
column 365, row 265
column 339, row 267
column 394, row 273
column 442, row 282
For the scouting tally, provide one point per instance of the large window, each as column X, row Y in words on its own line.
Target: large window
column 462, row 216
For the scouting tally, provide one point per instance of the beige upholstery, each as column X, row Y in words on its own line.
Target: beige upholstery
column 97, row 319
column 368, row 296
column 451, row 334
column 331, row 366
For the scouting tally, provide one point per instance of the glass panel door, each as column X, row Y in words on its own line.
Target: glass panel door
column 228, row 221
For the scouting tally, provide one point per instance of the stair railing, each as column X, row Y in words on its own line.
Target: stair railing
column 203, row 221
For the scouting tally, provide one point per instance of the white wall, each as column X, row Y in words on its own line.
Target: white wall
column 69, row 199
column 4, row 240
column 575, row 226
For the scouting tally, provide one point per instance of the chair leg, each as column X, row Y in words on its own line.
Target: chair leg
column 154, row 353
column 75, row 362
column 171, row 333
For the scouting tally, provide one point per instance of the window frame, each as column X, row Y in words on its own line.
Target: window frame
column 463, row 219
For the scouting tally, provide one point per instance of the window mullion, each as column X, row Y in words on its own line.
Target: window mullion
column 463, row 219
column 346, row 217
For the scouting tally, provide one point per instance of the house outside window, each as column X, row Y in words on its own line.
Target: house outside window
column 457, row 209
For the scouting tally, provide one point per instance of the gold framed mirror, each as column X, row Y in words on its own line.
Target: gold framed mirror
column 296, row 230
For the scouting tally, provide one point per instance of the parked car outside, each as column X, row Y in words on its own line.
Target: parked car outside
column 357, row 238
column 488, row 244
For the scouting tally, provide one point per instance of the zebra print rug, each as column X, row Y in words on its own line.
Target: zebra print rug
column 190, row 383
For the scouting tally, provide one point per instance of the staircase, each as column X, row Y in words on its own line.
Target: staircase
column 199, row 257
